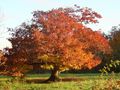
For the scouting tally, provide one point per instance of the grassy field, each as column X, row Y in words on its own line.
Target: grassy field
column 72, row 75
column 75, row 82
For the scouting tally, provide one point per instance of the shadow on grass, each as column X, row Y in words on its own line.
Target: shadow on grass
column 40, row 80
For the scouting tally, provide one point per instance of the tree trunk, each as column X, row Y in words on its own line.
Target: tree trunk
column 54, row 76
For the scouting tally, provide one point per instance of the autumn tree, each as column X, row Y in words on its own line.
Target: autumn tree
column 3, row 60
column 59, row 40
column 15, row 65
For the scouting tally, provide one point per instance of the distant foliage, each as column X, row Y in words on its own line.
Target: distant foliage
column 114, row 40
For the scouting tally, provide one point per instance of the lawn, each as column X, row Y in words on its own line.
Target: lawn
column 90, row 76
column 73, row 82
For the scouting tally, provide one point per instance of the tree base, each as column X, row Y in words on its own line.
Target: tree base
column 52, row 79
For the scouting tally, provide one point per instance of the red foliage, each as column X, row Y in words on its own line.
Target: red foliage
column 63, row 35
column 58, row 39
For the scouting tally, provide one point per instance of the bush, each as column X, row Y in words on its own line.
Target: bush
column 100, row 84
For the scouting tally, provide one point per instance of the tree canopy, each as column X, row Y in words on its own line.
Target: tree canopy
column 58, row 40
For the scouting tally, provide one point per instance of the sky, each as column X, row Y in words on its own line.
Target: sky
column 14, row 12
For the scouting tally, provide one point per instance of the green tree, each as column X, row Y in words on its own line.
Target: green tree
column 114, row 39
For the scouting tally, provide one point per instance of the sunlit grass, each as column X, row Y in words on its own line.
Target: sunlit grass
column 82, row 82
column 79, row 85
column 32, row 86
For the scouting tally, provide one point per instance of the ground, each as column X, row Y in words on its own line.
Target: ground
column 69, row 82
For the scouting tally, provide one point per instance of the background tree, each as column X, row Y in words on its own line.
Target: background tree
column 58, row 40
column 3, row 60
column 15, row 64
column 106, row 59
column 114, row 38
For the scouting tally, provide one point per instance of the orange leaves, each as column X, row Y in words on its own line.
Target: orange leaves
column 66, row 37
column 17, row 74
column 2, row 59
column 89, row 16
column 77, row 58
column 58, row 38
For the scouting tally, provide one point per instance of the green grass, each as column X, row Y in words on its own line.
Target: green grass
column 90, row 76
column 32, row 86
column 79, row 85
column 87, row 82
column 82, row 76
